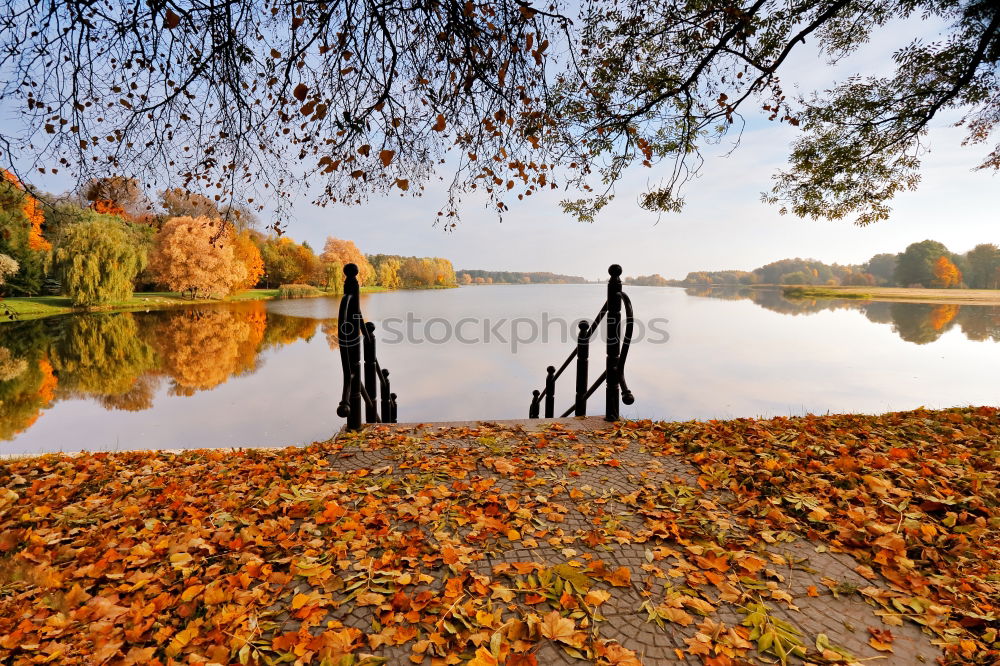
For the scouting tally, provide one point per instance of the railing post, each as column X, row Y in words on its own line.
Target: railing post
column 535, row 400
column 353, row 336
column 582, row 360
column 371, row 379
column 392, row 397
column 386, row 399
column 550, row 392
column 611, row 410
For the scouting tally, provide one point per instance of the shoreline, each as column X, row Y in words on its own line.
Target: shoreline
column 898, row 294
column 29, row 308
column 883, row 294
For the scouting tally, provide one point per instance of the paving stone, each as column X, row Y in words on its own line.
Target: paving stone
column 601, row 486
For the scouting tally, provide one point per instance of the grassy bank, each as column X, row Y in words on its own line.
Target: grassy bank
column 898, row 294
column 35, row 307
column 488, row 544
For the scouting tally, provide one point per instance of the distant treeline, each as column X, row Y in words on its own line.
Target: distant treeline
column 514, row 277
column 654, row 280
column 925, row 264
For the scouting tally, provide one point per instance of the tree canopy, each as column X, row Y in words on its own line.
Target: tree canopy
column 98, row 260
column 506, row 97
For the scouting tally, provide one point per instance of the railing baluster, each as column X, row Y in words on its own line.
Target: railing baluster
column 582, row 360
column 371, row 380
column 611, row 408
column 550, row 390
column 386, row 399
column 352, row 336
column 613, row 374
column 392, row 398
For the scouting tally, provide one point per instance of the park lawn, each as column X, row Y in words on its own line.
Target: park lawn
column 490, row 544
column 34, row 307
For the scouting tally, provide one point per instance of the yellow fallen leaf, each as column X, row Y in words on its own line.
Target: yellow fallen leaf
column 192, row 592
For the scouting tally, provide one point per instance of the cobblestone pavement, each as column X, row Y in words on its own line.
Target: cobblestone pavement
column 809, row 587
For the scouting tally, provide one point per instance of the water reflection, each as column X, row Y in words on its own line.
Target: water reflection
column 120, row 360
column 919, row 323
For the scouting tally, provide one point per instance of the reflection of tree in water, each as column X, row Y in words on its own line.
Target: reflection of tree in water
column 919, row 323
column 981, row 322
column 283, row 329
column 22, row 398
column 120, row 359
column 99, row 354
column 200, row 348
column 27, row 383
column 330, row 331
column 770, row 299
column 10, row 367
column 137, row 398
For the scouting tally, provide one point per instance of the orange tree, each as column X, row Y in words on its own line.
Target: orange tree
column 946, row 274
column 188, row 258
column 247, row 252
column 346, row 252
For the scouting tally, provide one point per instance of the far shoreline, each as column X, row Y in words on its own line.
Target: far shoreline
column 882, row 294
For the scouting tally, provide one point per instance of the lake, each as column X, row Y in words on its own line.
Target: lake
column 268, row 373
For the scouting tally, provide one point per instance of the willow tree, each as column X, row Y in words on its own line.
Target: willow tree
column 502, row 97
column 97, row 261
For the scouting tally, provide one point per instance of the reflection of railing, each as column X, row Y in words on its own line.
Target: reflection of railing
column 614, row 370
column 355, row 335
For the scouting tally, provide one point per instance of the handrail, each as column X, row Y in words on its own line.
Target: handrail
column 354, row 336
column 617, row 354
column 572, row 355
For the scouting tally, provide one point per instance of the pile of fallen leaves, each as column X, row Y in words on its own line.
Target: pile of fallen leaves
column 493, row 545
column 913, row 496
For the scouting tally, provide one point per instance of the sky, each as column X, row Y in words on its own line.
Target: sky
column 724, row 225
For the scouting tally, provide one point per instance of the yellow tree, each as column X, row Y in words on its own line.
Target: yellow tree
column 248, row 253
column 188, row 258
column 946, row 273
column 202, row 348
column 346, row 252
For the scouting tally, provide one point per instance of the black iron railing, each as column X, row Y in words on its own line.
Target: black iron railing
column 354, row 336
column 616, row 354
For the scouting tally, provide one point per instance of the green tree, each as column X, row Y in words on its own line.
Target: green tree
column 883, row 267
column 983, row 266
column 916, row 264
column 288, row 262
column 334, row 276
column 798, row 277
column 97, row 260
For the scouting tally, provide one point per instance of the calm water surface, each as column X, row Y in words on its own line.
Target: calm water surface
column 266, row 374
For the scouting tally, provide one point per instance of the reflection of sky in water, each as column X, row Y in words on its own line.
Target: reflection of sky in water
column 724, row 358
